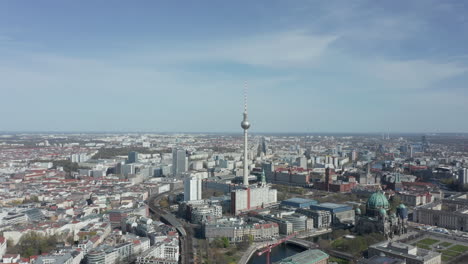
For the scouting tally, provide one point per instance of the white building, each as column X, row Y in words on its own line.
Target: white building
column 252, row 197
column 81, row 157
column 3, row 246
column 166, row 251
column 192, row 188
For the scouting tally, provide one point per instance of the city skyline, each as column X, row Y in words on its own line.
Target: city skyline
column 311, row 67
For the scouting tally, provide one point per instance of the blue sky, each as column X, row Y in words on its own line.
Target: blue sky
column 311, row 66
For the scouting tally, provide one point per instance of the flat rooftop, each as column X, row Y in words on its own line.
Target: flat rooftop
column 299, row 200
column 332, row 205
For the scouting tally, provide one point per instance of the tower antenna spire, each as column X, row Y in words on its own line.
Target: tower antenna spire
column 245, row 98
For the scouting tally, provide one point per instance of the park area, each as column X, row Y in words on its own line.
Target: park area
column 450, row 249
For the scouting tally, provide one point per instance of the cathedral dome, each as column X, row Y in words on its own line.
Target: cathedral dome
column 382, row 212
column 377, row 201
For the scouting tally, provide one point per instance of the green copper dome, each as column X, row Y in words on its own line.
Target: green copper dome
column 377, row 201
column 382, row 212
column 401, row 206
column 358, row 210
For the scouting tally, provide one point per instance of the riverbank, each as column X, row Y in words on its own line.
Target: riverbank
column 259, row 245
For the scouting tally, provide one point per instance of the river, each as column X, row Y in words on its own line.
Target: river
column 285, row 250
column 278, row 253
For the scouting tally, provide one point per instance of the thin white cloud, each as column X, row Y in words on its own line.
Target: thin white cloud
column 282, row 49
column 414, row 74
column 286, row 49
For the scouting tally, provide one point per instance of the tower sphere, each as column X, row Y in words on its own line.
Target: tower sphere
column 245, row 124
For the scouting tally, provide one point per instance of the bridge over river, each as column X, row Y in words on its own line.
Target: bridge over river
column 260, row 245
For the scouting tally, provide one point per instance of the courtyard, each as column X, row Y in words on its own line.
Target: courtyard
column 450, row 249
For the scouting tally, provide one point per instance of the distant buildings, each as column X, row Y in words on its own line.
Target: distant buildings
column 415, row 198
column 290, row 176
column 331, row 185
column 80, row 157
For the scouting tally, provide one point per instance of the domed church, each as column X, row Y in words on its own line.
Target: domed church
column 377, row 218
column 376, row 204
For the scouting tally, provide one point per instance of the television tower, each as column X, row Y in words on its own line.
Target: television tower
column 245, row 125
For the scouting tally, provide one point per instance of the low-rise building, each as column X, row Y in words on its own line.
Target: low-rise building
column 321, row 218
column 237, row 230
column 412, row 254
column 341, row 213
column 298, row 202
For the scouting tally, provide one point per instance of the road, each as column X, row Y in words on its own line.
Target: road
column 185, row 230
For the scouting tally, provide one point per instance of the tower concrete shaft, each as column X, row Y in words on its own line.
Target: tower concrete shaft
column 246, row 165
column 245, row 125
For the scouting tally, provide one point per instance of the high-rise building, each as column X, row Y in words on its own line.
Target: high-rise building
column 132, row 157
column 179, row 161
column 354, row 155
column 127, row 169
column 192, row 188
column 264, row 145
column 463, row 176
column 302, row 162
column 424, row 143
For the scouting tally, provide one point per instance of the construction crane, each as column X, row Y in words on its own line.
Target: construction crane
column 268, row 248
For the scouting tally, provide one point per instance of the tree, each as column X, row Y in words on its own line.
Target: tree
column 250, row 239
column 164, row 203
column 324, row 243
column 33, row 243
column 218, row 243
column 225, row 241
column 32, row 199
column 70, row 240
